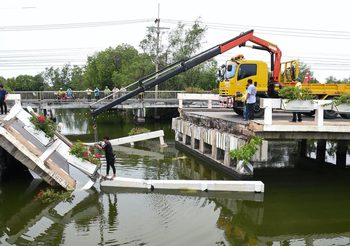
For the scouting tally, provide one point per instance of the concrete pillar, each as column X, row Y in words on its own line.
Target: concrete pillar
column 210, row 104
column 201, row 139
column 319, row 115
column 140, row 115
column 342, row 147
column 302, row 148
column 193, row 139
column 227, row 157
column 184, row 136
column 214, row 153
column 321, row 151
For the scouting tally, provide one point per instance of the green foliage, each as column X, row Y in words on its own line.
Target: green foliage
column 343, row 99
column 44, row 124
column 295, row 93
column 50, row 195
column 67, row 76
column 25, row 83
column 246, row 152
column 334, row 80
column 118, row 67
column 137, row 130
column 193, row 90
column 215, row 91
column 90, row 154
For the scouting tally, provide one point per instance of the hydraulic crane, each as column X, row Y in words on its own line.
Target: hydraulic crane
column 172, row 70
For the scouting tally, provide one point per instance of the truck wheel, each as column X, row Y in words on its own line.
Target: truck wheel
column 330, row 114
column 345, row 116
column 238, row 111
column 311, row 113
column 258, row 112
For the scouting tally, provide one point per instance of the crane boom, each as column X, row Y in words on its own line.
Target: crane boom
column 174, row 69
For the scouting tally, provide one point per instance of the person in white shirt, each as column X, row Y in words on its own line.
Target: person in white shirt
column 251, row 99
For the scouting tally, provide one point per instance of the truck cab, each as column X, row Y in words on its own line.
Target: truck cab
column 233, row 78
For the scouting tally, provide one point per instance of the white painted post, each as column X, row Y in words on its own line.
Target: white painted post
column 162, row 142
column 180, row 103
column 319, row 115
column 268, row 112
column 210, row 105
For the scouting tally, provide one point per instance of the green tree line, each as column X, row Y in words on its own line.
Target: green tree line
column 124, row 64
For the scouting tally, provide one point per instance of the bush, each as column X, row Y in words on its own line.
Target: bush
column 194, row 90
column 90, row 153
column 246, row 152
column 295, row 93
column 137, row 130
column 46, row 125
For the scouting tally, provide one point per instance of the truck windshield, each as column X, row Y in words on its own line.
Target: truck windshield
column 231, row 70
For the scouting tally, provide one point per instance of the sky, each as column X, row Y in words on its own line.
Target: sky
column 35, row 34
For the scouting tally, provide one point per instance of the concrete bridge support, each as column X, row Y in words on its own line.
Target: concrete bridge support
column 213, row 146
column 321, row 151
column 342, row 147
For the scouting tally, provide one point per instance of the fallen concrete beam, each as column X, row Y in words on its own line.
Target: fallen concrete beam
column 202, row 185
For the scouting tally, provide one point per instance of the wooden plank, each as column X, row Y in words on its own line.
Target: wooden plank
column 50, row 150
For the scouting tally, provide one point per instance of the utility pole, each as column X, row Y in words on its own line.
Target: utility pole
column 158, row 28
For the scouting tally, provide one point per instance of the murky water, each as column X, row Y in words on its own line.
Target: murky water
column 302, row 205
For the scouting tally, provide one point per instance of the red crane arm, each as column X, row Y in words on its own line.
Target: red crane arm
column 263, row 44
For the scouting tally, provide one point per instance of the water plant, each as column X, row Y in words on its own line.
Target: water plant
column 246, row 152
column 50, row 195
column 138, row 130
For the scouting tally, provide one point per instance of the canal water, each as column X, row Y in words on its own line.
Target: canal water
column 302, row 204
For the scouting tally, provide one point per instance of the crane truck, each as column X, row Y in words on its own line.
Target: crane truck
column 233, row 77
column 234, row 74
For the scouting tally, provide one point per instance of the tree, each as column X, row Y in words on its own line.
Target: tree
column 118, row 66
column 303, row 70
column 182, row 43
column 26, row 83
column 67, row 76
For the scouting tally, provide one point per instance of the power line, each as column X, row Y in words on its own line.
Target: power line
column 71, row 25
column 295, row 32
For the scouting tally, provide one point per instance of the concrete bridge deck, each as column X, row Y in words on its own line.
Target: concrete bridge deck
column 281, row 127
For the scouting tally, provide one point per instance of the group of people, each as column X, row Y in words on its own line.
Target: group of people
column 107, row 92
column 250, row 100
column 63, row 95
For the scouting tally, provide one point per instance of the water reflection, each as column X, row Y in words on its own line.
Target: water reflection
column 301, row 206
column 309, row 211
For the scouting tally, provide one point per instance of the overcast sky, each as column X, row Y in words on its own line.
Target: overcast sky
column 35, row 34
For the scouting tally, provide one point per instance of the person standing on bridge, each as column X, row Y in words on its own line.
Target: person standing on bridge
column 3, row 95
column 97, row 93
column 88, row 94
column 110, row 157
column 297, row 115
column 106, row 92
column 251, row 99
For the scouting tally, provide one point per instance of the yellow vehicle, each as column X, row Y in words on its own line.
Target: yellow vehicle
column 233, row 77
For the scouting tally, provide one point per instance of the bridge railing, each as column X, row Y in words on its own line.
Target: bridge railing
column 82, row 95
